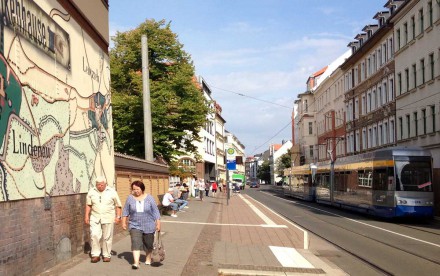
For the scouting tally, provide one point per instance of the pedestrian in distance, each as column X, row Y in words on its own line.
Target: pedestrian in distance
column 214, row 188
column 142, row 217
column 207, row 187
column 103, row 209
column 168, row 200
column 196, row 187
column 201, row 188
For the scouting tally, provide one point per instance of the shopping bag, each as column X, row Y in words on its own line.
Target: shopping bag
column 158, row 254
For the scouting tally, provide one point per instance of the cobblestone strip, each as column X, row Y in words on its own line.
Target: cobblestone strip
column 200, row 260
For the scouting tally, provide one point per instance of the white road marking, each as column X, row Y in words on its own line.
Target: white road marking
column 360, row 222
column 257, row 211
column 226, row 224
column 289, row 257
column 306, row 234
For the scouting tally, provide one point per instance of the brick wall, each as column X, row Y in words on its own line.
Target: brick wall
column 33, row 239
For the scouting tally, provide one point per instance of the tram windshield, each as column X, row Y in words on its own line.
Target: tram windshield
column 413, row 176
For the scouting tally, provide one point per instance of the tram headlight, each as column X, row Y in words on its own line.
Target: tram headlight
column 401, row 201
column 429, row 203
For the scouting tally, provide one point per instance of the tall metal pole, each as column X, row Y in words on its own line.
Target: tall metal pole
column 228, row 190
column 148, row 133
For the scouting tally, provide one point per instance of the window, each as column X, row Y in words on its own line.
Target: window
column 385, row 133
column 373, row 100
column 364, row 139
column 362, row 107
column 399, row 83
column 370, row 138
column 391, row 91
column 408, row 126
column 379, row 96
column 414, row 71
column 311, row 151
column 306, row 107
column 405, row 32
column 385, row 93
column 431, row 66
column 398, row 38
column 187, row 165
column 391, row 48
column 401, row 127
column 407, row 79
column 392, row 127
column 430, row 13
column 310, row 128
column 416, row 124
column 424, row 121
column 368, row 102
column 413, row 27
column 422, row 20
column 380, row 135
column 422, row 67
column 433, row 117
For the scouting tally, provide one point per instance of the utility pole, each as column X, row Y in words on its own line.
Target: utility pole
column 148, row 132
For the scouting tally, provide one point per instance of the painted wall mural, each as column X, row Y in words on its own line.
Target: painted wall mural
column 56, row 134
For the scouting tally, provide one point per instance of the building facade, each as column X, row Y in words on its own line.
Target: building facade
column 55, row 128
column 417, row 29
column 369, row 88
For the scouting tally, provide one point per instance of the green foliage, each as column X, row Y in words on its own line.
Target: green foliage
column 284, row 162
column 263, row 172
column 178, row 107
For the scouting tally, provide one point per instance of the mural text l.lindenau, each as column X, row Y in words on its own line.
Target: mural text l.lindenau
column 21, row 147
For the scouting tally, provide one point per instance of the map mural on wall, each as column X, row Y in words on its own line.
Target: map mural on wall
column 55, row 109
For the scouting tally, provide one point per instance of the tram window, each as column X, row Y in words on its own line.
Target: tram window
column 380, row 179
column 413, row 176
column 365, row 178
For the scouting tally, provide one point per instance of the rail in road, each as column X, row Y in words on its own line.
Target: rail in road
column 388, row 247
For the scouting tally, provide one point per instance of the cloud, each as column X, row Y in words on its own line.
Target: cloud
column 241, row 27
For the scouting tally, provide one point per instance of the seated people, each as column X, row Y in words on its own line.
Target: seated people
column 177, row 193
column 168, row 200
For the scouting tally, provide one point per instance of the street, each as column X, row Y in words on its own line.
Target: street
column 363, row 245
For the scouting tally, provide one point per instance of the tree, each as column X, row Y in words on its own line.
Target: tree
column 178, row 107
column 284, row 162
column 263, row 172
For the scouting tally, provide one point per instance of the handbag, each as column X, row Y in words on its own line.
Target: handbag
column 158, row 254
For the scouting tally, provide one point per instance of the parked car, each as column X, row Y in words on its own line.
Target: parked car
column 254, row 185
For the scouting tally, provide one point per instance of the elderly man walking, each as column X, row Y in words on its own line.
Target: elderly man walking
column 103, row 209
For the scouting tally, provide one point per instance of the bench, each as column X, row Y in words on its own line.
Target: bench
column 163, row 210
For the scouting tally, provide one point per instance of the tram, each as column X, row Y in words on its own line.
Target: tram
column 391, row 182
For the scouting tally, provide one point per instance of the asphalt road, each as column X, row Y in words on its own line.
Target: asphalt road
column 363, row 245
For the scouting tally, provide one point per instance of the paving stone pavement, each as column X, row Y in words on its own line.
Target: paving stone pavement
column 213, row 237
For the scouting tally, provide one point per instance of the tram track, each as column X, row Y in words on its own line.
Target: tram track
column 369, row 238
column 378, row 268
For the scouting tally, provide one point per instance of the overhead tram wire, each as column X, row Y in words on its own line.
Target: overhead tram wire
column 290, row 122
column 247, row 96
column 257, row 99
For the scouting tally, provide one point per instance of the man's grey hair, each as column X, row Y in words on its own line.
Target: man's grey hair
column 100, row 178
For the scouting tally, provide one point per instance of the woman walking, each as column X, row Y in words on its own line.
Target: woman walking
column 143, row 218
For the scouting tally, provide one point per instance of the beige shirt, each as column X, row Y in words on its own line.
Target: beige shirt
column 103, row 204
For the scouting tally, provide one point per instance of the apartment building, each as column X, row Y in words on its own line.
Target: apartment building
column 417, row 66
column 330, row 112
column 369, row 86
column 234, row 142
column 220, row 144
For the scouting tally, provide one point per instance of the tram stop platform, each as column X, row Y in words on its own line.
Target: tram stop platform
column 216, row 236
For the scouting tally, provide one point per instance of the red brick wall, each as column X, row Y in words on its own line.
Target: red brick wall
column 33, row 239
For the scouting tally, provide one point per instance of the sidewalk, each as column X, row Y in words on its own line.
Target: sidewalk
column 213, row 238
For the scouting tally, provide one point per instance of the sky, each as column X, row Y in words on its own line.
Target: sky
column 255, row 55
